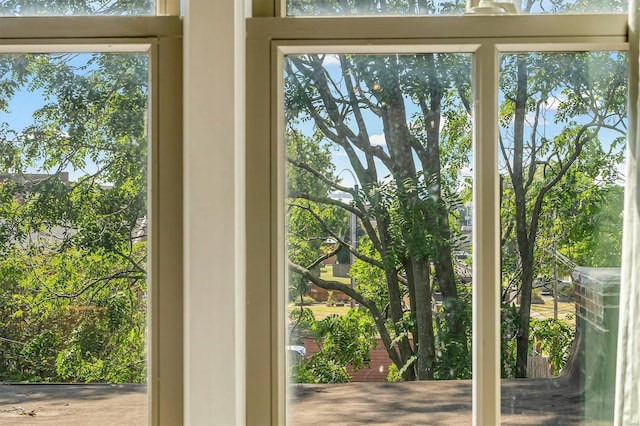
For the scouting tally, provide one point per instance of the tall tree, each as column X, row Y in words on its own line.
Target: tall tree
column 73, row 209
column 583, row 95
column 405, row 216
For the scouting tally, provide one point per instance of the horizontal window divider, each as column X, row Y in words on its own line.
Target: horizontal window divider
column 432, row 45
column 594, row 26
column 65, row 27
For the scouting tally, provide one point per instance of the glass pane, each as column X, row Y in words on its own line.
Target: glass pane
column 76, row 7
column 443, row 7
column 562, row 157
column 378, row 211
column 375, row 7
column 73, row 235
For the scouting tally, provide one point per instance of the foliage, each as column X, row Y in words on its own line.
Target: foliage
column 320, row 368
column 95, row 336
column 509, row 326
column 552, row 338
column 73, row 203
column 393, row 375
column 344, row 340
column 548, row 337
column 562, row 127
column 453, row 358
column 562, row 119
column 404, row 218
column 76, row 7
column 373, row 7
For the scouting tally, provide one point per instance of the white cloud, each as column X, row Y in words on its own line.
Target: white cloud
column 378, row 140
column 553, row 102
column 330, row 60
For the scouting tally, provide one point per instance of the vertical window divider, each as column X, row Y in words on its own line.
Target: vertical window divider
column 486, row 243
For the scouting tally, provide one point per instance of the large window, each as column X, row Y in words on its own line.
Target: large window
column 418, row 185
column 90, row 181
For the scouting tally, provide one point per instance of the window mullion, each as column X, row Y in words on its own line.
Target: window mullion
column 486, row 249
column 168, row 7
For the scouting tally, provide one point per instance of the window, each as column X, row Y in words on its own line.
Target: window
column 85, row 8
column 298, row 102
column 80, row 83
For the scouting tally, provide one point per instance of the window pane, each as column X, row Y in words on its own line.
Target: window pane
column 562, row 155
column 442, row 7
column 76, row 7
column 378, row 210
column 73, row 230
column 375, row 7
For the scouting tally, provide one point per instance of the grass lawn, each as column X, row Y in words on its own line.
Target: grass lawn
column 543, row 311
column 321, row 311
column 326, row 273
column 540, row 311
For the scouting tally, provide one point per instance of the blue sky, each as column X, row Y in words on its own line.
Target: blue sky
column 374, row 125
column 24, row 103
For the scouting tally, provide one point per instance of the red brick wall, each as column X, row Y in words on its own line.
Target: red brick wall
column 376, row 371
column 319, row 294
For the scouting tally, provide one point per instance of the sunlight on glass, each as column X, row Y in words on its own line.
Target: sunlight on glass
column 76, row 7
column 378, row 210
column 562, row 144
column 442, row 7
column 73, row 229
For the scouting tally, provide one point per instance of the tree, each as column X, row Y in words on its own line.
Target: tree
column 74, row 250
column 588, row 90
column 406, row 216
column 75, row 7
column 344, row 340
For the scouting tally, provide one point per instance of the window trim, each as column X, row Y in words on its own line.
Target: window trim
column 268, row 39
column 161, row 39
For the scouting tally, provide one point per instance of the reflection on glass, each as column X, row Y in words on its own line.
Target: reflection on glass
column 443, row 7
column 76, row 7
column 375, row 7
column 378, row 210
column 562, row 144
column 73, row 219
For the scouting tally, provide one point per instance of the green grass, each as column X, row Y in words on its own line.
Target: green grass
column 321, row 311
column 326, row 273
column 546, row 310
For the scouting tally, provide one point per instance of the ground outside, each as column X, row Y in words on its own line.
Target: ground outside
column 524, row 402
column 73, row 404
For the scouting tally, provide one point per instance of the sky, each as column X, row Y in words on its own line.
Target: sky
column 21, row 107
column 547, row 127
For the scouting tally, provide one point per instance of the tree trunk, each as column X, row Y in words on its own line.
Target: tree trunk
column 524, row 315
column 525, row 241
column 395, row 302
column 424, row 319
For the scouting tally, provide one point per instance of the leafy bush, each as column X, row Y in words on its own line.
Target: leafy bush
column 453, row 353
column 344, row 339
column 393, row 375
column 550, row 337
column 554, row 339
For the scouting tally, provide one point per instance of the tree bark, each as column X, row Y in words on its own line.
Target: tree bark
column 525, row 244
column 424, row 319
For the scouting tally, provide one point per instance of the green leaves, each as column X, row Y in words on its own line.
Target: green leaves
column 344, row 340
column 73, row 206
column 552, row 338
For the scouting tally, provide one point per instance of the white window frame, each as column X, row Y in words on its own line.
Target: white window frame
column 269, row 38
column 159, row 36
